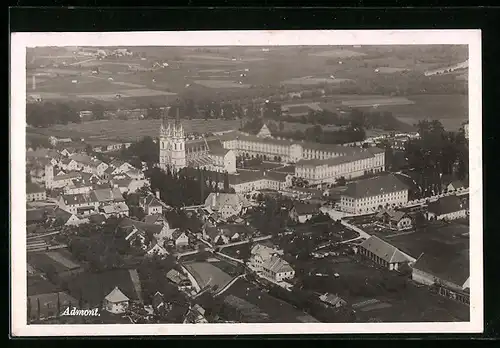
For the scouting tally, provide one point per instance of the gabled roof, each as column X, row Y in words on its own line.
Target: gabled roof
column 305, row 208
column 454, row 269
column 78, row 198
column 264, row 252
column 62, row 215
column 277, row 265
column 116, row 296
column 331, row 299
column 152, row 201
column 446, row 205
column 35, row 215
column 217, row 200
column 374, row 186
column 394, row 215
column 150, row 229
column 384, row 250
column 33, row 188
column 154, row 218
column 115, row 208
column 177, row 233
column 108, row 194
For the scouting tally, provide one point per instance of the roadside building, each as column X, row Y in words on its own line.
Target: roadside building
column 151, row 205
column 261, row 253
column 35, row 192
column 394, row 219
column 302, row 212
column 277, row 269
column 447, row 208
column 369, row 195
column 332, row 300
column 450, row 275
column 383, row 253
column 226, row 205
column 116, row 302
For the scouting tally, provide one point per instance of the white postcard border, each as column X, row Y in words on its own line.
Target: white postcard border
column 19, row 42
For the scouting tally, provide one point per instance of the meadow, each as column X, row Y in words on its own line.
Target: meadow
column 131, row 129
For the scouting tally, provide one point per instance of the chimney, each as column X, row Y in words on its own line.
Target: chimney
column 157, row 194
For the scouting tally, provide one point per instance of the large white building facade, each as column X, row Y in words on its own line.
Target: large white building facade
column 374, row 194
column 313, row 162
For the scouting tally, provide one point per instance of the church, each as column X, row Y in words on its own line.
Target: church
column 176, row 152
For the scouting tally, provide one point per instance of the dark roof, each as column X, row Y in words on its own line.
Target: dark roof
column 108, row 194
column 454, row 269
column 93, row 287
column 152, row 201
column 150, row 229
column 374, row 186
column 75, row 199
column 446, row 205
column 97, row 218
column 39, row 286
column 35, row 215
column 33, row 188
column 151, row 219
column 384, row 250
column 304, row 208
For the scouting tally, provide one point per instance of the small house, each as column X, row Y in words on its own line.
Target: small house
column 383, row 253
column 277, row 269
column 332, row 300
column 116, row 302
column 302, row 212
column 151, row 205
column 394, row 219
column 447, row 208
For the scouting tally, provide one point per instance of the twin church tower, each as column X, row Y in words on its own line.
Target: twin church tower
column 172, row 143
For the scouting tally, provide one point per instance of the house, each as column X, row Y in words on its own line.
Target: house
column 455, row 186
column 78, row 204
column 105, row 196
column 219, row 235
column 116, row 302
column 447, row 208
column 68, row 164
column 394, row 219
column 77, row 186
column 119, row 209
column 277, row 269
column 135, row 174
column 156, row 249
column 61, row 217
column 158, row 219
column 121, row 167
column 451, row 275
column 180, row 238
column 369, row 195
column 383, row 253
column 332, row 300
column 134, row 229
column 302, row 212
column 259, row 254
column 196, row 315
column 35, row 192
column 178, row 278
column 152, row 205
column 64, row 180
column 46, row 300
column 226, row 205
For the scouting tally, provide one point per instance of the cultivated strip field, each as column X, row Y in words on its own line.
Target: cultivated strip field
column 132, row 129
column 337, row 53
column 311, row 81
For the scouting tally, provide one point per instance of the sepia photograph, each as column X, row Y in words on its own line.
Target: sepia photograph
column 246, row 182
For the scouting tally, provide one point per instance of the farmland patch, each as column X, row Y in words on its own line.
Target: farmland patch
column 337, row 53
column 220, row 84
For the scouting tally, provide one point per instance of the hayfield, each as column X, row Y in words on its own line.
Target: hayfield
column 337, row 53
column 132, row 129
column 220, row 84
column 390, row 70
column 381, row 101
column 311, row 81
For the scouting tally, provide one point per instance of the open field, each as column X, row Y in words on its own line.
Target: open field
column 381, row 101
column 312, row 81
column 390, row 70
column 337, row 53
column 220, row 84
column 359, row 281
column 277, row 311
column 130, row 129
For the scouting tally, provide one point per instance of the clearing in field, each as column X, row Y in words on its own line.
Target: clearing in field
column 310, row 81
column 389, row 70
column 337, row 53
column 377, row 102
column 220, row 84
